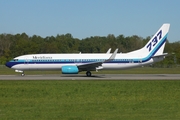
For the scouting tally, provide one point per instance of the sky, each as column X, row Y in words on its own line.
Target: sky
column 86, row 18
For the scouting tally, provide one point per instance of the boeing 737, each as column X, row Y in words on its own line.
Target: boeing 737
column 74, row 63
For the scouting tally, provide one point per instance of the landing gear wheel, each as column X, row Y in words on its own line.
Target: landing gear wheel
column 22, row 74
column 88, row 74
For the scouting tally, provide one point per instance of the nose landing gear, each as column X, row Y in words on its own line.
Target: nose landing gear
column 22, row 74
column 20, row 71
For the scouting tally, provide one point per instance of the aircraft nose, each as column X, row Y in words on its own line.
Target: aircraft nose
column 8, row 64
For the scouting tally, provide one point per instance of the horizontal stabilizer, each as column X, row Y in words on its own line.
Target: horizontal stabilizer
column 164, row 54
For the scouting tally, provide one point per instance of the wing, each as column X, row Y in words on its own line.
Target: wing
column 89, row 66
column 94, row 65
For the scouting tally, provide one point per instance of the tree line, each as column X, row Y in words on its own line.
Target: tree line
column 15, row 45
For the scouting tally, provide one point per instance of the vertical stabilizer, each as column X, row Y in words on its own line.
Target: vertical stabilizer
column 156, row 44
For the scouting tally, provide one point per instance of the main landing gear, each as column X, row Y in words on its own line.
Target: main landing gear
column 88, row 74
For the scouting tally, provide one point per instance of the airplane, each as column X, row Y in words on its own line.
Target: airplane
column 74, row 63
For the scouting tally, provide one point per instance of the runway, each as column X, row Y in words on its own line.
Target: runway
column 94, row 77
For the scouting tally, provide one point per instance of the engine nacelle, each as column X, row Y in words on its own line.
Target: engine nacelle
column 69, row 70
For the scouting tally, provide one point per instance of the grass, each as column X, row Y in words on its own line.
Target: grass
column 142, row 70
column 91, row 100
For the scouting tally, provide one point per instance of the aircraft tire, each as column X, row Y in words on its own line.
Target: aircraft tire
column 22, row 74
column 88, row 74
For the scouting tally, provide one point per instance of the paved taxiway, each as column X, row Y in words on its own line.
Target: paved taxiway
column 94, row 77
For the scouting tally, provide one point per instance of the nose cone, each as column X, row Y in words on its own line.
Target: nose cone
column 8, row 64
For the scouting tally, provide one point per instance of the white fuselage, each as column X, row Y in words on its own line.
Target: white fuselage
column 56, row 61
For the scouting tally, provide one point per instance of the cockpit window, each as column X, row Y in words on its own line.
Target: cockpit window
column 15, row 60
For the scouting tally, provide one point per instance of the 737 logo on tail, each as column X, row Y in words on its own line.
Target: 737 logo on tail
column 154, row 40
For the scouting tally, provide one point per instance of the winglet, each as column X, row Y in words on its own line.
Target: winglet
column 108, row 52
column 112, row 56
